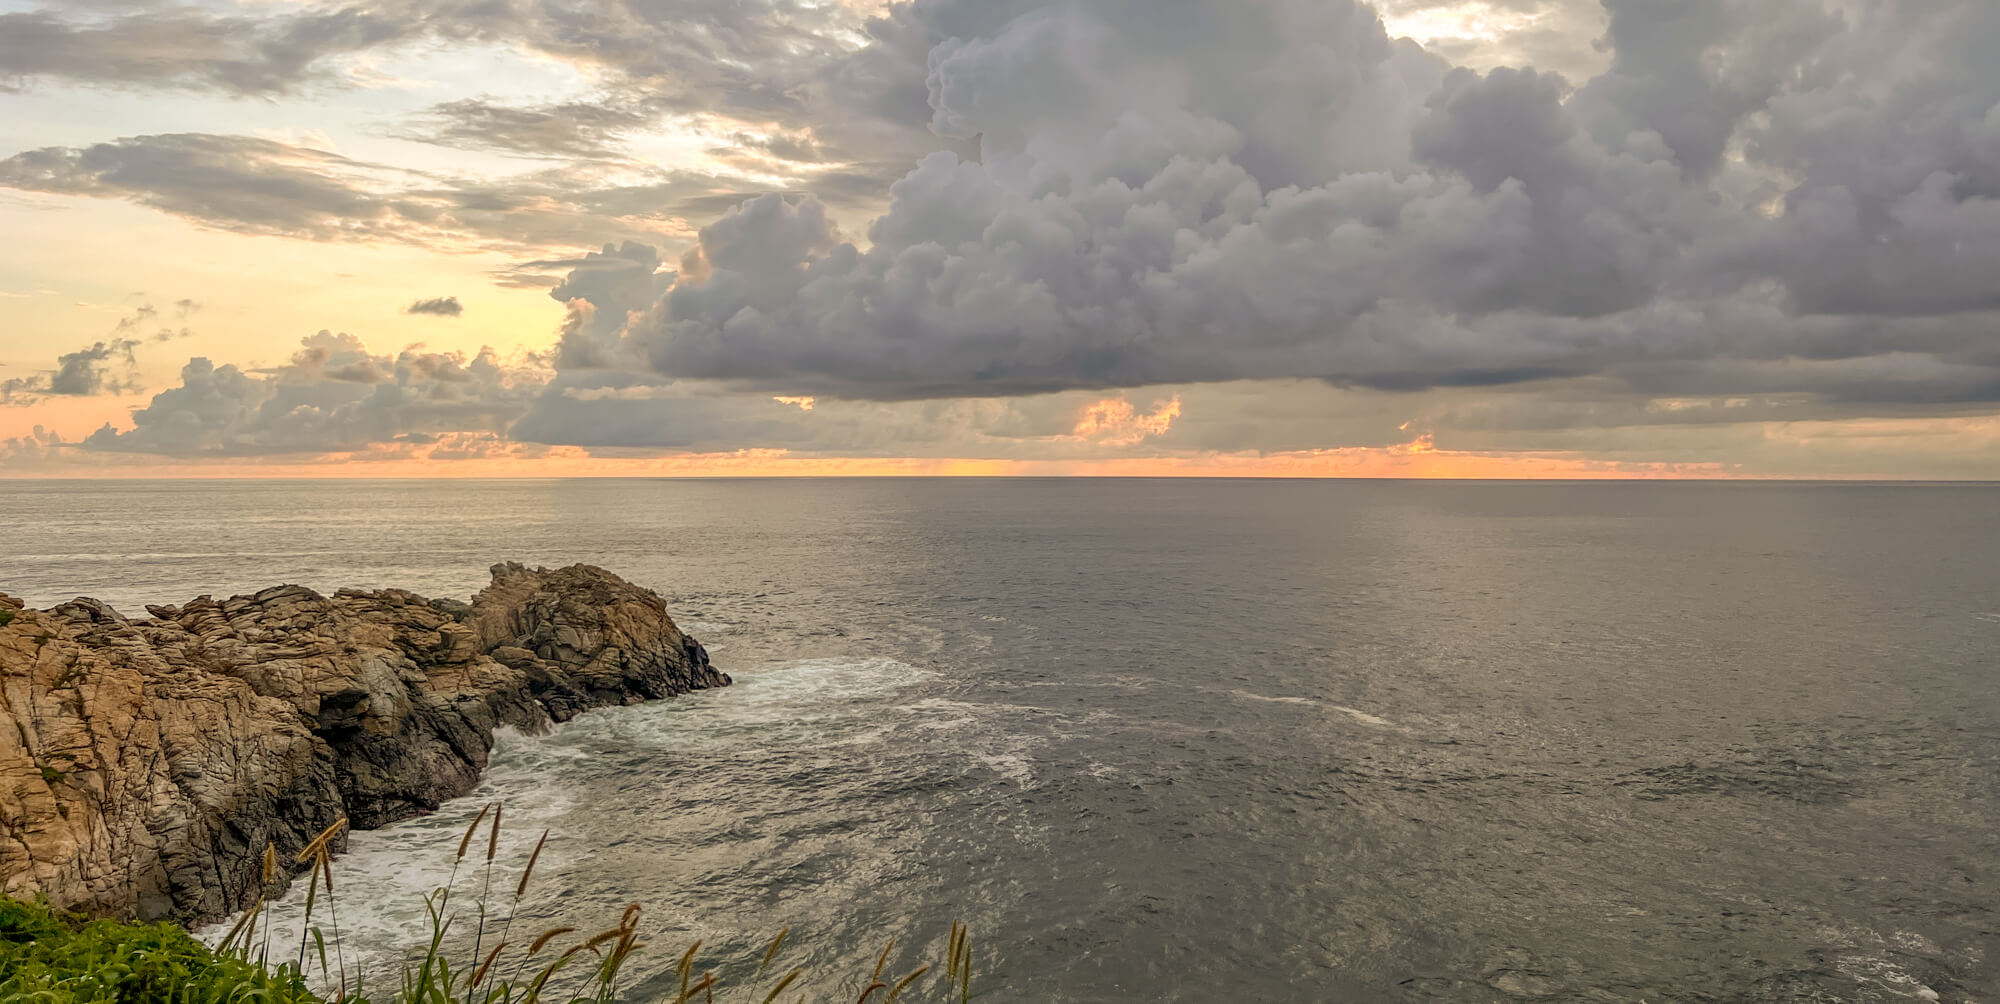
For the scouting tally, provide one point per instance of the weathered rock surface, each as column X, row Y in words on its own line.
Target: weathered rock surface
column 146, row 763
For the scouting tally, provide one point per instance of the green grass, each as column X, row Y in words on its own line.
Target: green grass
column 48, row 957
column 6, row 617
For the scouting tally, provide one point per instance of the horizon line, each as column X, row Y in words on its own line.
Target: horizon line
column 975, row 476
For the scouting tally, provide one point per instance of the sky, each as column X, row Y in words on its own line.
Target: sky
column 1475, row 238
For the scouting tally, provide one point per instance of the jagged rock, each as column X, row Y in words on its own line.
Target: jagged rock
column 145, row 765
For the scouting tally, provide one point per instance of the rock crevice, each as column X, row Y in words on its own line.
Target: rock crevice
column 145, row 764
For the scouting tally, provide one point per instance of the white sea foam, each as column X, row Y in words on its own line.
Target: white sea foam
column 1363, row 717
column 384, row 875
column 1015, row 767
column 981, row 732
column 1879, row 972
column 1268, row 699
column 1358, row 715
column 378, row 910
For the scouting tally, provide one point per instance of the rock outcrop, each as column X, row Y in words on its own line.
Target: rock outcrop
column 145, row 764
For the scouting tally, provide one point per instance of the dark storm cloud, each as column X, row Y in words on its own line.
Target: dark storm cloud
column 1202, row 192
column 439, row 306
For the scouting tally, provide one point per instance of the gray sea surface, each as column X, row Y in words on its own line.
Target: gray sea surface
column 1204, row 740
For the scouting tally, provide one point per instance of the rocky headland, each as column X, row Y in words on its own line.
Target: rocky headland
column 146, row 763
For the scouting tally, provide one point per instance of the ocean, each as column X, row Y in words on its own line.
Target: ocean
column 1161, row 740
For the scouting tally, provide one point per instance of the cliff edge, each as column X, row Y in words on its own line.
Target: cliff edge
column 146, row 763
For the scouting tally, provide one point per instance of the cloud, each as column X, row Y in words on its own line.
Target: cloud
column 187, row 47
column 39, row 449
column 82, row 373
column 246, row 183
column 95, row 370
column 577, row 129
column 439, row 306
column 698, row 52
column 612, row 409
column 602, row 290
column 1206, row 193
column 1557, row 35
column 333, row 395
column 1115, row 421
column 772, row 81
column 751, row 63
column 261, row 186
column 182, row 310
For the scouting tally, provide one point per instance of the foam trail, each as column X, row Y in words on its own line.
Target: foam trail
column 1363, row 717
column 1248, row 696
column 1360, row 716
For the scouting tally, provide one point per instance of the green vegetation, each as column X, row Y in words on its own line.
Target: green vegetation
column 53, row 958
column 48, row 957
column 6, row 617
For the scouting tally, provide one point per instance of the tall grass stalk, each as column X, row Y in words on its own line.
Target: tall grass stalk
column 589, row 967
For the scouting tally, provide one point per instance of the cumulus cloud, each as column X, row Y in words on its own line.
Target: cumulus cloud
column 602, row 290
column 437, row 306
column 41, row 448
column 333, row 395
column 1194, row 192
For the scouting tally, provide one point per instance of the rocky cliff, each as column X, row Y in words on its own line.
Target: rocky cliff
column 146, row 763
